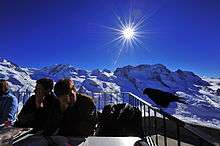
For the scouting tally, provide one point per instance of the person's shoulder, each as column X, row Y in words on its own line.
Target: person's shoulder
column 32, row 97
column 52, row 98
column 84, row 96
column 84, row 100
column 31, row 100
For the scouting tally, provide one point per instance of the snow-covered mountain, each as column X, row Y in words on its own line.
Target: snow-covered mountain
column 19, row 78
column 202, row 94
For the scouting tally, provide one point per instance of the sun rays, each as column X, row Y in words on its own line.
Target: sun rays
column 128, row 34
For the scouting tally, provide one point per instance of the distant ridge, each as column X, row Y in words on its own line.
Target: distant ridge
column 202, row 94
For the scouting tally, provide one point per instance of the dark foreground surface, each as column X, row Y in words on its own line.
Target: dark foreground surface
column 185, row 135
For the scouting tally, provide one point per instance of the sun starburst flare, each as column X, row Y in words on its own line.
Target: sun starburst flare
column 128, row 33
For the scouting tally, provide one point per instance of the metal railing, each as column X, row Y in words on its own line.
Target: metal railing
column 22, row 96
column 165, row 129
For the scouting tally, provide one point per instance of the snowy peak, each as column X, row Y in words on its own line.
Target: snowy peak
column 55, row 72
column 190, row 76
column 200, row 93
column 7, row 64
column 158, row 76
column 18, row 77
column 149, row 71
column 143, row 68
column 85, row 81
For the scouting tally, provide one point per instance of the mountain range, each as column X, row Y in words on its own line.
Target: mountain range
column 201, row 94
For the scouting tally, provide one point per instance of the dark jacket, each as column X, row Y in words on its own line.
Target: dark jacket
column 79, row 119
column 45, row 119
column 8, row 107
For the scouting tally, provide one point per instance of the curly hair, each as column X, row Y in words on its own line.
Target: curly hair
column 63, row 87
column 46, row 83
column 3, row 86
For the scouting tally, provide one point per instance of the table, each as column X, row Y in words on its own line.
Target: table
column 89, row 141
column 110, row 141
column 10, row 134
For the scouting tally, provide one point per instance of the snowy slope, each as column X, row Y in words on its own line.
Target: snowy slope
column 19, row 79
column 202, row 94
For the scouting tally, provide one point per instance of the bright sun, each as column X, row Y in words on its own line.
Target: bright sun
column 128, row 33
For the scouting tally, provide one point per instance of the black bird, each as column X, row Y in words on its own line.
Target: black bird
column 162, row 98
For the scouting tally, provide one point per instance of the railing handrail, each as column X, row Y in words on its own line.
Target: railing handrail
column 184, row 124
column 157, row 109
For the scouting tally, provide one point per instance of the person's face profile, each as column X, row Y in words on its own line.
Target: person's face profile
column 72, row 93
column 39, row 91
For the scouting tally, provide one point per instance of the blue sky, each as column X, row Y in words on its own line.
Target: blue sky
column 37, row 33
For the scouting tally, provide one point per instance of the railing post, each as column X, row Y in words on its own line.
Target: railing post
column 133, row 101
column 104, row 99
column 121, row 96
column 99, row 101
column 93, row 96
column 165, row 131
column 136, row 102
column 149, row 121
column 129, row 99
column 178, row 133
column 155, row 126
column 123, row 100
column 140, row 107
column 144, row 119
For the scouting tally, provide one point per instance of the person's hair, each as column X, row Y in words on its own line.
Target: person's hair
column 46, row 83
column 3, row 86
column 63, row 87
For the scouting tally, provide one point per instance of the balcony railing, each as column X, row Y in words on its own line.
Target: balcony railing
column 165, row 129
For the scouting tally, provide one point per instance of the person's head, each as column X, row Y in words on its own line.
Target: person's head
column 65, row 90
column 43, row 87
column 3, row 86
